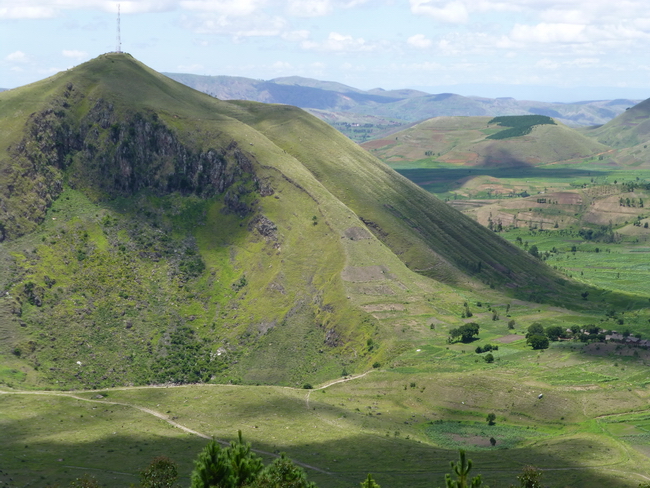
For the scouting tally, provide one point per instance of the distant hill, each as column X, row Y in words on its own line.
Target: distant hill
column 374, row 111
column 630, row 128
column 473, row 141
column 150, row 233
column 629, row 134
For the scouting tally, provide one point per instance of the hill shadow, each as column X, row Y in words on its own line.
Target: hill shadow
column 440, row 180
column 116, row 458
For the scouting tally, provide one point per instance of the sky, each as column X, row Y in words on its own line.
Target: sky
column 548, row 50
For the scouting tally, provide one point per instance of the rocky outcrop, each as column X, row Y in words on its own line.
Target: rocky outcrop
column 111, row 152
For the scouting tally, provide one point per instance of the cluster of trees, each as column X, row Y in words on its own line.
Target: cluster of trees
column 486, row 348
column 538, row 336
column 464, row 333
column 520, row 125
column 630, row 202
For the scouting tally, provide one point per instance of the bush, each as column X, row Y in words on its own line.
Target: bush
column 489, row 358
column 161, row 473
column 538, row 341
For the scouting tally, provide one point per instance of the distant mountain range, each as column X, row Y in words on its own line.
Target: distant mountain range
column 364, row 115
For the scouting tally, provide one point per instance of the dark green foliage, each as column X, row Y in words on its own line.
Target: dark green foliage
column 282, row 473
column 461, row 469
column 489, row 358
column 185, row 359
column 191, row 266
column 161, row 473
column 554, row 332
column 511, row 324
column 538, row 341
column 491, row 417
column 520, row 125
column 307, row 386
column 493, row 441
column 533, row 251
column 603, row 233
column 486, row 348
column 212, row 468
column 230, row 467
column 468, row 331
column 535, row 328
column 530, row 477
column 369, row 482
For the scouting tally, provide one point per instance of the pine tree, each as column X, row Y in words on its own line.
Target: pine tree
column 282, row 473
column 212, row 468
column 462, row 469
column 231, row 467
column 369, row 482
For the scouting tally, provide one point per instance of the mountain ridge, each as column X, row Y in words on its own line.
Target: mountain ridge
column 406, row 105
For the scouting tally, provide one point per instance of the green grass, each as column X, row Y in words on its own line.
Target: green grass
column 476, row 435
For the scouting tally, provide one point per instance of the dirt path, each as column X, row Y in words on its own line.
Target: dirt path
column 327, row 385
column 156, row 414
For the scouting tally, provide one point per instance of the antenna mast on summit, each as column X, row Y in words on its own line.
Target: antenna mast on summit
column 119, row 39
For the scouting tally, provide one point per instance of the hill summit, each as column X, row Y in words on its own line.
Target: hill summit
column 153, row 234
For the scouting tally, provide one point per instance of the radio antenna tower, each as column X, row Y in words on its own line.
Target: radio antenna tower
column 119, row 39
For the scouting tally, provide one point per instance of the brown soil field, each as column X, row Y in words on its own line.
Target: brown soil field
column 507, row 339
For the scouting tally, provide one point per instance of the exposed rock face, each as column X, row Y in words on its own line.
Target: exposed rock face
column 112, row 153
column 265, row 227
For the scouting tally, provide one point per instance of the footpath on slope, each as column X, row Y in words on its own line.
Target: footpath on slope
column 169, row 420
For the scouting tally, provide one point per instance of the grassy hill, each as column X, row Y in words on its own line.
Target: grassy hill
column 471, row 141
column 171, row 236
column 152, row 234
column 630, row 128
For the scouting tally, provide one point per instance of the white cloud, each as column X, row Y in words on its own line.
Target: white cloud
column 336, row 42
column 258, row 25
column 41, row 9
column 74, row 54
column 295, row 36
column 309, row 8
column 419, row 41
column 547, row 64
column 282, row 66
column 548, row 33
column 26, row 12
column 586, row 62
column 453, row 12
column 17, row 57
column 234, row 8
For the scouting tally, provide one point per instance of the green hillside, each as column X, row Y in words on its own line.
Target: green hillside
column 630, row 128
column 156, row 234
column 482, row 141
